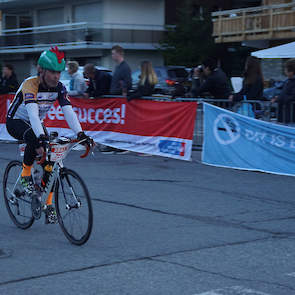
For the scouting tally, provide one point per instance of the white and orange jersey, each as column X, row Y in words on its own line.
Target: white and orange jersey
column 32, row 91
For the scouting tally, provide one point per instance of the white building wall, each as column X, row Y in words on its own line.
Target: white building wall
column 143, row 12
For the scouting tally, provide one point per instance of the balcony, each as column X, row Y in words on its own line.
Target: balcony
column 257, row 23
column 81, row 35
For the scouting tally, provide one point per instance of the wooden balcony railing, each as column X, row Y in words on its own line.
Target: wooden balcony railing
column 255, row 23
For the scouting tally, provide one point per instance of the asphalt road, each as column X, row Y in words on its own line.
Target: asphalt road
column 161, row 226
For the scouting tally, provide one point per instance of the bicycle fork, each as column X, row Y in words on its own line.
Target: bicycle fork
column 77, row 200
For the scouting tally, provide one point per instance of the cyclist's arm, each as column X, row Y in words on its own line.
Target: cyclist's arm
column 71, row 118
column 29, row 91
column 33, row 112
column 68, row 111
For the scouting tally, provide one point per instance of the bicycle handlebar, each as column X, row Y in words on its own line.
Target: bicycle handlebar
column 43, row 158
column 87, row 148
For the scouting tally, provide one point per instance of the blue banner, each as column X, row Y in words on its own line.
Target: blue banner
column 236, row 141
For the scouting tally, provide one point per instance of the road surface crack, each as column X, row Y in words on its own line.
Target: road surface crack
column 138, row 259
column 204, row 219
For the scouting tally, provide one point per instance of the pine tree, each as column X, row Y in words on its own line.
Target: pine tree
column 190, row 41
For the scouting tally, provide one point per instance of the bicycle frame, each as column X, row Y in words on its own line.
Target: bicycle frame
column 57, row 166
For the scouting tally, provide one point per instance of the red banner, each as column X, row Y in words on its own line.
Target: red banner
column 104, row 118
column 138, row 117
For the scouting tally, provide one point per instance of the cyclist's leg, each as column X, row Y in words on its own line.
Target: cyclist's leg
column 22, row 130
column 50, row 216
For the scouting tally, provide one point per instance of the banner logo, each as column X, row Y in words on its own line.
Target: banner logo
column 226, row 129
column 172, row 147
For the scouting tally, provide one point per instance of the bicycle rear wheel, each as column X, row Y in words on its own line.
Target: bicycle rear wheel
column 73, row 207
column 17, row 202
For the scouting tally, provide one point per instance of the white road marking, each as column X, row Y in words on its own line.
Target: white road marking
column 236, row 290
column 292, row 274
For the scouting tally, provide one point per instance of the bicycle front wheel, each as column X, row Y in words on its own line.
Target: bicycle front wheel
column 17, row 202
column 73, row 207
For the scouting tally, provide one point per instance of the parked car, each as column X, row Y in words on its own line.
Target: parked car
column 65, row 77
column 169, row 79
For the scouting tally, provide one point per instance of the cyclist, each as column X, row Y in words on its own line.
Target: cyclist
column 28, row 109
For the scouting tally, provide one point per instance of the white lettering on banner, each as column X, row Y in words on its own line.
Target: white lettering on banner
column 255, row 136
column 227, row 130
column 90, row 120
column 92, row 116
column 278, row 140
column 273, row 139
column 107, row 115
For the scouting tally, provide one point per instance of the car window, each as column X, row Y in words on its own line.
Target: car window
column 158, row 73
column 135, row 75
column 177, row 73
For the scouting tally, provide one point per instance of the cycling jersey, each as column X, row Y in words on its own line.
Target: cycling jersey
column 32, row 91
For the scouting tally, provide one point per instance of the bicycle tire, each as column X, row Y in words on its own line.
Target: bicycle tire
column 68, row 176
column 15, row 217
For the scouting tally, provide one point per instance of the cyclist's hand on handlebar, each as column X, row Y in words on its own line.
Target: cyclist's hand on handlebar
column 87, row 140
column 42, row 141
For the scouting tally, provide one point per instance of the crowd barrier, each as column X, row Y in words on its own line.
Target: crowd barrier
column 264, row 110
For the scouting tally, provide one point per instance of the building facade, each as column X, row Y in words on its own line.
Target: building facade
column 268, row 24
column 84, row 30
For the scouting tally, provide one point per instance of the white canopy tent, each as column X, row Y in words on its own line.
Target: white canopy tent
column 282, row 51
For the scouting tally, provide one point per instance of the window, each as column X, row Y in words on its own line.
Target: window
column 14, row 21
column 51, row 16
column 90, row 12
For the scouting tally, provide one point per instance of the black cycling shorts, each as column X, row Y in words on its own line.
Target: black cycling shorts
column 22, row 130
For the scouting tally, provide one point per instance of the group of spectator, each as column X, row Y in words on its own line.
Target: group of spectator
column 103, row 83
column 209, row 78
column 100, row 82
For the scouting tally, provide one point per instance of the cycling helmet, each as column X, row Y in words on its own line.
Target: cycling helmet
column 52, row 59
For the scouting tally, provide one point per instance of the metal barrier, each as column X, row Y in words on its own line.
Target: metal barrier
column 263, row 110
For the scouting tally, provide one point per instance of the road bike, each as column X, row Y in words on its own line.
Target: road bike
column 71, row 197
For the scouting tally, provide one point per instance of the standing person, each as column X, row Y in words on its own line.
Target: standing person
column 29, row 107
column 8, row 81
column 99, row 81
column 148, row 80
column 121, row 80
column 120, row 85
column 210, row 78
column 77, row 83
column 287, row 96
column 252, row 83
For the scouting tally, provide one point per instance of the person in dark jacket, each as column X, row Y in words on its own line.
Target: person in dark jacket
column 99, row 81
column 214, row 80
column 147, row 82
column 121, row 80
column 287, row 96
column 252, row 83
column 8, row 81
